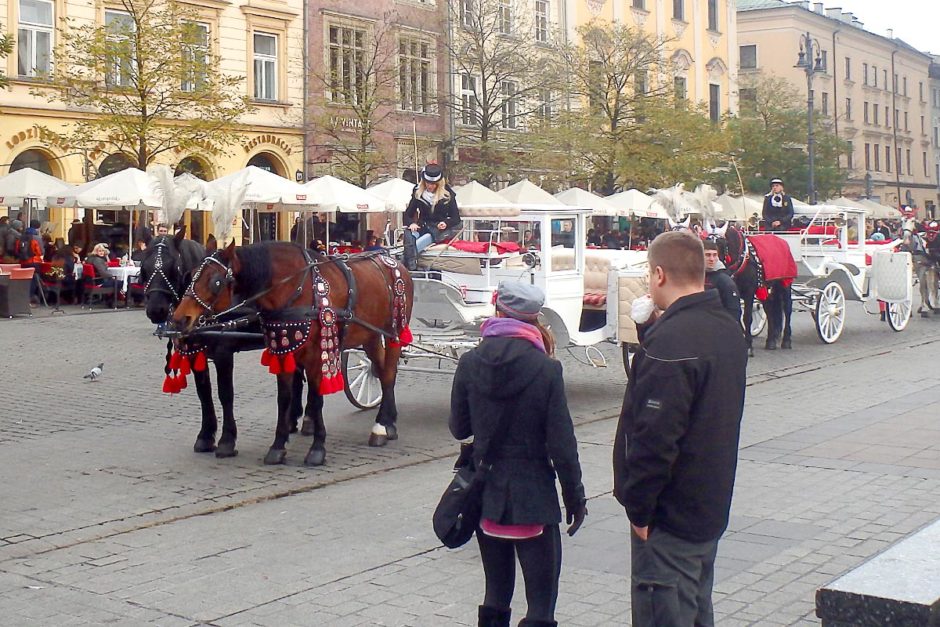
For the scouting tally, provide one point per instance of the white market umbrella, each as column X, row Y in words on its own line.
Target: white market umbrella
column 29, row 184
column 739, row 209
column 525, row 192
column 478, row 201
column 337, row 195
column 879, row 211
column 577, row 197
column 634, row 202
column 848, row 203
column 395, row 192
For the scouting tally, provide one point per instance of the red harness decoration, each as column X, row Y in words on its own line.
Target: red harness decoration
column 186, row 358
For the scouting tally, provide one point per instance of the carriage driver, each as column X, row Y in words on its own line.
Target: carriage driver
column 778, row 208
column 432, row 215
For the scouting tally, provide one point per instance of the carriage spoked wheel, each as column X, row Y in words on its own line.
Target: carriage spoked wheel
column 899, row 314
column 830, row 312
column 362, row 388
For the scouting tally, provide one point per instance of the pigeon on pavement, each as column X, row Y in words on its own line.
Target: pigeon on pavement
column 95, row 372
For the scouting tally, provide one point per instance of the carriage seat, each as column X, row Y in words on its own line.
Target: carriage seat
column 596, row 269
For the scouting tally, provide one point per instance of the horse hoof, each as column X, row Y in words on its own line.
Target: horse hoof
column 307, row 427
column 392, row 431
column 750, row 351
column 315, row 457
column 226, row 450
column 770, row 346
column 293, row 427
column 786, row 345
column 377, row 439
column 204, row 445
column 274, row 457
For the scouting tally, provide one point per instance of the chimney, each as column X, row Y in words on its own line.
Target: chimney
column 890, row 32
column 805, row 4
column 848, row 17
column 818, row 7
column 834, row 13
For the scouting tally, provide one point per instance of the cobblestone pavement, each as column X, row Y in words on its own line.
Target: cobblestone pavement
column 109, row 517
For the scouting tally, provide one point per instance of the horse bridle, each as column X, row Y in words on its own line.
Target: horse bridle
column 158, row 271
column 215, row 287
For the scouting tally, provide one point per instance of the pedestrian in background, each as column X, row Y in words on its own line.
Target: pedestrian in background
column 511, row 386
column 676, row 448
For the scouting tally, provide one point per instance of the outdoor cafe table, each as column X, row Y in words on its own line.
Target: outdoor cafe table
column 123, row 275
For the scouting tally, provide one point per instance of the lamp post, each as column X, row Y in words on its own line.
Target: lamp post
column 810, row 61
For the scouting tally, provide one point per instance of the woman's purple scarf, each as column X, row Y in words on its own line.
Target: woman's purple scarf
column 510, row 327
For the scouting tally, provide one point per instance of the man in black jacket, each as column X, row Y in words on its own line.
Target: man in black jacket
column 716, row 278
column 778, row 208
column 675, row 452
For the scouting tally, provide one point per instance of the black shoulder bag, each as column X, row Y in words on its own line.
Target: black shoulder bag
column 457, row 515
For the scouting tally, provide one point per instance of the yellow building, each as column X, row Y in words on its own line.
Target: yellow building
column 260, row 40
column 875, row 89
column 701, row 38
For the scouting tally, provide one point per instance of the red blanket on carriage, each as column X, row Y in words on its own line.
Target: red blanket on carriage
column 775, row 257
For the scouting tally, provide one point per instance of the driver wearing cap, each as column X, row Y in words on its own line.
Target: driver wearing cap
column 778, row 208
column 432, row 215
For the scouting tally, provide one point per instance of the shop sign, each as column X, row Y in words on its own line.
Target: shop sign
column 345, row 124
column 273, row 140
column 37, row 132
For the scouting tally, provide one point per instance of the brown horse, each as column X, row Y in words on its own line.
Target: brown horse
column 311, row 308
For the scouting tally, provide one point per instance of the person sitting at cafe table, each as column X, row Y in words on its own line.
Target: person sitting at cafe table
column 99, row 260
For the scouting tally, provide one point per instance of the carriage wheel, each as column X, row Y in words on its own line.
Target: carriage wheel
column 899, row 314
column 830, row 313
column 362, row 388
column 758, row 319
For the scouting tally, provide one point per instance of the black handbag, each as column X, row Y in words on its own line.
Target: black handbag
column 457, row 515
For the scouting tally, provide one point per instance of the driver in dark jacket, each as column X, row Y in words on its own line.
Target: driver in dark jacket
column 511, row 376
column 716, row 278
column 431, row 216
column 778, row 208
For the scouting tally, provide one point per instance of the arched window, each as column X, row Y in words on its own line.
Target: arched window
column 193, row 165
column 114, row 163
column 267, row 161
column 35, row 159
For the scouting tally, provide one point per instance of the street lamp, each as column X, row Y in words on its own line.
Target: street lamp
column 810, row 61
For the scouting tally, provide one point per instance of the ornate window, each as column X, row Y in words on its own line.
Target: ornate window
column 34, row 38
column 265, row 66
column 414, row 74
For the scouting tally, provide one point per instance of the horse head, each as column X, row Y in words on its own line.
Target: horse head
column 162, row 275
column 211, row 290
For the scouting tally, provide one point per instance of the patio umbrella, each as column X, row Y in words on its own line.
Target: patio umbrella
column 395, row 192
column 525, row 192
column 739, row 209
column 577, row 197
column 29, row 187
column 879, row 211
column 337, row 195
column 842, row 201
column 476, row 200
column 634, row 202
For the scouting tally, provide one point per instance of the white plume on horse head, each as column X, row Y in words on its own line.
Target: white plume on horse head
column 672, row 200
column 174, row 197
column 705, row 196
column 226, row 203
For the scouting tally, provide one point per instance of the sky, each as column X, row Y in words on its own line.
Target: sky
column 915, row 21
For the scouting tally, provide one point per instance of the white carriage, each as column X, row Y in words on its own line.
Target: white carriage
column 835, row 263
column 588, row 291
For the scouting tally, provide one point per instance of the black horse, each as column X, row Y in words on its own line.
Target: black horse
column 778, row 305
column 166, row 271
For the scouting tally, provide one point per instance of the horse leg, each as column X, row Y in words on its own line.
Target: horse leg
column 747, row 319
column 786, row 303
column 385, row 362
column 296, row 400
column 205, row 441
column 314, row 425
column 224, row 374
column 774, row 313
column 277, row 452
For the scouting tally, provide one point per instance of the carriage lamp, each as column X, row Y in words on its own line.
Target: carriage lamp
column 810, row 49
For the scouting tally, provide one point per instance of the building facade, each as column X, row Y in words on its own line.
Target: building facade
column 256, row 40
column 875, row 89
column 935, row 128
column 700, row 36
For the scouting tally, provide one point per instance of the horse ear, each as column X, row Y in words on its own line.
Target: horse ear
column 229, row 257
column 212, row 245
column 180, row 235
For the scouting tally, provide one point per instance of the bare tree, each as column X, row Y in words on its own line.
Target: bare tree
column 503, row 76
column 359, row 81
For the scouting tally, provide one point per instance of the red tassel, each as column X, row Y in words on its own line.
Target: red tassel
column 168, row 386
column 175, row 361
column 329, row 385
column 290, row 364
column 265, row 357
column 761, row 293
column 185, row 369
column 181, row 382
column 394, row 344
column 405, row 337
column 200, row 364
column 275, row 366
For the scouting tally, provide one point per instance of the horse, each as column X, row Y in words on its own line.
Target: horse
column 748, row 277
column 165, row 272
column 310, row 310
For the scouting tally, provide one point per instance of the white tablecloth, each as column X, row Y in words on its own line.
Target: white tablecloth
column 124, row 274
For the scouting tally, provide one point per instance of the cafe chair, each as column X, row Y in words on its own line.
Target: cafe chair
column 94, row 286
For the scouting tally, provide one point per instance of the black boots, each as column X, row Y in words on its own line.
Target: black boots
column 410, row 256
column 529, row 622
column 493, row 617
